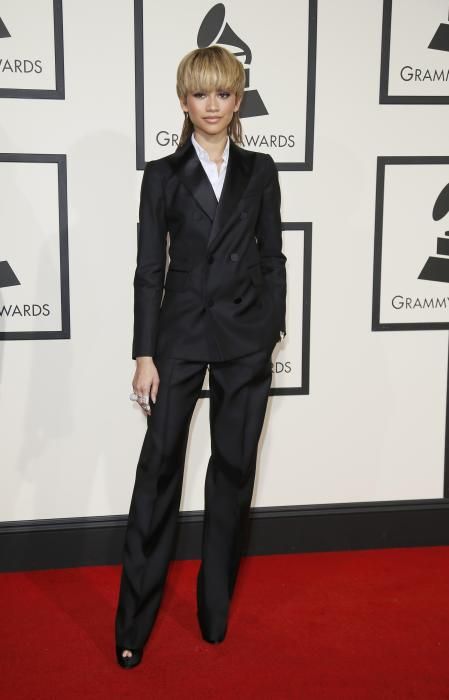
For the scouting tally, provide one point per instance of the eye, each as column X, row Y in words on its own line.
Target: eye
column 224, row 94
column 198, row 94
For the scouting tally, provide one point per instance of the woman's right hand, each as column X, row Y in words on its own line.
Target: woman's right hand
column 146, row 381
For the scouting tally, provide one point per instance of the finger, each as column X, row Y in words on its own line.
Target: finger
column 146, row 408
column 142, row 392
column 154, row 390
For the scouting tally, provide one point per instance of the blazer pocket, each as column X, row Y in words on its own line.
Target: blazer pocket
column 176, row 279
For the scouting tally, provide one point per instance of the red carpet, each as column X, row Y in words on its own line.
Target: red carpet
column 349, row 625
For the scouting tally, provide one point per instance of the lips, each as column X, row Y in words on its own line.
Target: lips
column 211, row 119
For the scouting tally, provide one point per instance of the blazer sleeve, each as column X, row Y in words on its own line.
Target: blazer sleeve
column 151, row 259
column 269, row 237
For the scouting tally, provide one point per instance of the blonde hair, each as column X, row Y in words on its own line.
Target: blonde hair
column 210, row 68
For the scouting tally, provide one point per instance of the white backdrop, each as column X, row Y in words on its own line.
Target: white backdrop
column 372, row 426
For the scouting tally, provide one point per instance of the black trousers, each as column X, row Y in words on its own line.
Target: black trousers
column 239, row 391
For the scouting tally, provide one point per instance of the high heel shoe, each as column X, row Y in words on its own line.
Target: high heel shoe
column 128, row 661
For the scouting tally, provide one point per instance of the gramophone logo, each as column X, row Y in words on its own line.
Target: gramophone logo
column 215, row 30
column 34, row 258
column 437, row 269
column 415, row 52
column 429, row 74
column 3, row 31
column 8, row 278
column 440, row 40
column 411, row 277
column 7, row 275
column 272, row 50
column 15, row 65
column 31, row 53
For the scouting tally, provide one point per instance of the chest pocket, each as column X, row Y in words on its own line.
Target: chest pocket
column 176, row 279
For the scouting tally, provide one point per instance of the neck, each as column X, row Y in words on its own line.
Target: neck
column 214, row 144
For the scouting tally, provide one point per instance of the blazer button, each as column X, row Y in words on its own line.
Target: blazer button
column 234, row 256
column 243, row 215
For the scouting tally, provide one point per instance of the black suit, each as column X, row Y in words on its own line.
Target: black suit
column 225, row 288
column 223, row 310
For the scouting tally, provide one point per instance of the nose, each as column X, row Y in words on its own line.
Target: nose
column 212, row 105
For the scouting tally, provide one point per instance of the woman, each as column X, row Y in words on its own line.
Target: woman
column 223, row 310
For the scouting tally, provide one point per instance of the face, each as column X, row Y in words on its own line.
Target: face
column 211, row 112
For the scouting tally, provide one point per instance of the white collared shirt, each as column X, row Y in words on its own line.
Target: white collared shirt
column 216, row 179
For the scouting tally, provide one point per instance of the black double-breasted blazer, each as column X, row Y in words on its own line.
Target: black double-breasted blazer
column 223, row 294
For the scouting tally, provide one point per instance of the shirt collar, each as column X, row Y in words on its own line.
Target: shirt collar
column 203, row 154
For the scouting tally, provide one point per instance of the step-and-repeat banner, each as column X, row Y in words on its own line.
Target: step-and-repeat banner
column 351, row 100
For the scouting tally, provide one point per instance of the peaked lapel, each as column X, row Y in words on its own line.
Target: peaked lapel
column 188, row 168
